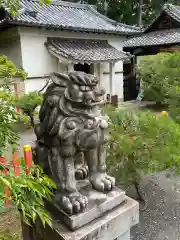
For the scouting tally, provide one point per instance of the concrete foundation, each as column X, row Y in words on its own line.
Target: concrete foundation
column 113, row 225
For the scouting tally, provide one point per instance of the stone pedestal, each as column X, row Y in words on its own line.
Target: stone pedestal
column 113, row 225
column 98, row 204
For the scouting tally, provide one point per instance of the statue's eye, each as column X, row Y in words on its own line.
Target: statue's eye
column 88, row 88
column 83, row 88
column 75, row 86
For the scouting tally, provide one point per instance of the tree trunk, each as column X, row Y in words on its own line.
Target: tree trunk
column 140, row 198
column 32, row 120
column 140, row 13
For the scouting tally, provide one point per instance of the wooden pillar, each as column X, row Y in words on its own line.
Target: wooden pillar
column 111, row 76
column 70, row 67
column 97, row 72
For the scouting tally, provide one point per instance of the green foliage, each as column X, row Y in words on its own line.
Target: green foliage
column 8, row 116
column 141, row 143
column 160, row 77
column 28, row 193
column 127, row 11
column 14, row 5
column 7, row 71
column 29, row 102
column 24, row 121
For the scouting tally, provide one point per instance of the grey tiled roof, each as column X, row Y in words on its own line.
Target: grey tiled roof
column 171, row 10
column 81, row 50
column 68, row 16
column 162, row 37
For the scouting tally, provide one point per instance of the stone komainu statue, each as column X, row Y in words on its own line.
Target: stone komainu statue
column 71, row 125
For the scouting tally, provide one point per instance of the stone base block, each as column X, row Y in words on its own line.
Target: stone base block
column 113, row 225
column 98, row 204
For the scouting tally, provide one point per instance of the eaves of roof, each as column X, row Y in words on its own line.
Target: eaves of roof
column 172, row 10
column 85, row 50
column 163, row 37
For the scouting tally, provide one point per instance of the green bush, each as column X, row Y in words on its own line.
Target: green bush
column 24, row 119
column 28, row 103
column 27, row 191
column 141, row 143
column 160, row 76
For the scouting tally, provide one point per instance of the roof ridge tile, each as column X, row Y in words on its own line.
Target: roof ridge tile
column 64, row 3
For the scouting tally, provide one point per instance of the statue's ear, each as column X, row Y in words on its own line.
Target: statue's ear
column 60, row 79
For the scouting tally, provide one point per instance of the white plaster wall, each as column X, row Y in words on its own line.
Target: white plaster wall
column 34, row 84
column 138, row 59
column 37, row 61
column 10, row 46
column 118, row 69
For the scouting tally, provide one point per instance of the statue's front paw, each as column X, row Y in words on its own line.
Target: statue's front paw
column 81, row 173
column 73, row 203
column 102, row 182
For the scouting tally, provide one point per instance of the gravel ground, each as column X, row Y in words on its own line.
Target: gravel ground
column 161, row 220
column 10, row 223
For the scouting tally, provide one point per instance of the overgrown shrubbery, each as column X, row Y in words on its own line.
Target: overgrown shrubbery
column 27, row 191
column 28, row 103
column 160, row 80
column 141, row 143
column 160, row 76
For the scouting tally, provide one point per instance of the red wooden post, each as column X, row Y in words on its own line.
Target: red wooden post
column 3, row 165
column 16, row 164
column 6, row 189
column 28, row 158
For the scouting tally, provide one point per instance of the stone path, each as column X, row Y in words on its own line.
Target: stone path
column 161, row 220
column 136, row 104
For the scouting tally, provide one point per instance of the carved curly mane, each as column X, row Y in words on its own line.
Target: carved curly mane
column 57, row 101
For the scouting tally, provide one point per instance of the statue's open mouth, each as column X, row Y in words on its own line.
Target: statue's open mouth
column 97, row 100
